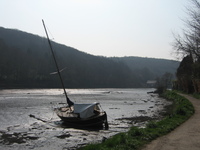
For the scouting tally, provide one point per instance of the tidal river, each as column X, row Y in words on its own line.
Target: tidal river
column 124, row 107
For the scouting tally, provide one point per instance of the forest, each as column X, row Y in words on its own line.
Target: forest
column 26, row 62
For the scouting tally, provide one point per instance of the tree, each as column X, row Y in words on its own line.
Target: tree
column 189, row 42
column 188, row 47
column 185, row 74
column 164, row 82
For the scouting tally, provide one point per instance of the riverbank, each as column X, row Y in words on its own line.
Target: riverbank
column 135, row 138
column 185, row 137
column 125, row 108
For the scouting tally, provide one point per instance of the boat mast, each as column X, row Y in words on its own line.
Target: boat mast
column 67, row 99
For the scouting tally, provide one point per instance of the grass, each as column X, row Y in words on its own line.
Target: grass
column 136, row 137
column 196, row 95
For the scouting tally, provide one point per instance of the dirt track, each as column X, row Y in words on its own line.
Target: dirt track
column 184, row 137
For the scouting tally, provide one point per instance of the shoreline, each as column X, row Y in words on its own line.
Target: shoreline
column 11, row 137
column 137, row 138
column 36, row 134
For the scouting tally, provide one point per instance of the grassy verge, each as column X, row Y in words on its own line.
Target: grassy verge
column 136, row 137
column 196, row 95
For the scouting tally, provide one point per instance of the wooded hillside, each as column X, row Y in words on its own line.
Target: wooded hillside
column 26, row 61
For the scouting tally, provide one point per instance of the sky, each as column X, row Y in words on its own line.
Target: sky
column 110, row 28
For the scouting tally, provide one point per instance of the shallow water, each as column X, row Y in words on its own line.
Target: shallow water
column 19, row 131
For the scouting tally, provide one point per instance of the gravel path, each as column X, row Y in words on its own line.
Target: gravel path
column 184, row 137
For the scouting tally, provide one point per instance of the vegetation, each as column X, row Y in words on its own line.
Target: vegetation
column 150, row 68
column 26, row 61
column 136, row 137
column 188, row 80
column 164, row 83
column 188, row 47
column 196, row 95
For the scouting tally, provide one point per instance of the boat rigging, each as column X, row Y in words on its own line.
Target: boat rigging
column 78, row 115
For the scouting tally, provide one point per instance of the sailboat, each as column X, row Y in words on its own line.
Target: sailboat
column 78, row 115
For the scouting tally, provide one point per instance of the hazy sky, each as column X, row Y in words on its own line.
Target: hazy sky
column 101, row 27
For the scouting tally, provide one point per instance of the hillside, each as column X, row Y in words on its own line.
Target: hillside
column 26, row 61
column 149, row 68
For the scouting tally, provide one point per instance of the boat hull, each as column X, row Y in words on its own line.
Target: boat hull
column 96, row 121
column 99, row 120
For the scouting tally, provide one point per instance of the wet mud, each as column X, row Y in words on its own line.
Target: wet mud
column 28, row 122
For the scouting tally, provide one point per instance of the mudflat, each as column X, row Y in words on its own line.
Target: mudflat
column 19, row 131
column 184, row 137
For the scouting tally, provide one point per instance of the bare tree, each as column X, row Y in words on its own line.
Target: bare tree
column 189, row 42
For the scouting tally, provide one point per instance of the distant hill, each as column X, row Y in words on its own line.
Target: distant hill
column 149, row 68
column 26, row 62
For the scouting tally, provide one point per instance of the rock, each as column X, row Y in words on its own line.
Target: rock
column 63, row 136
